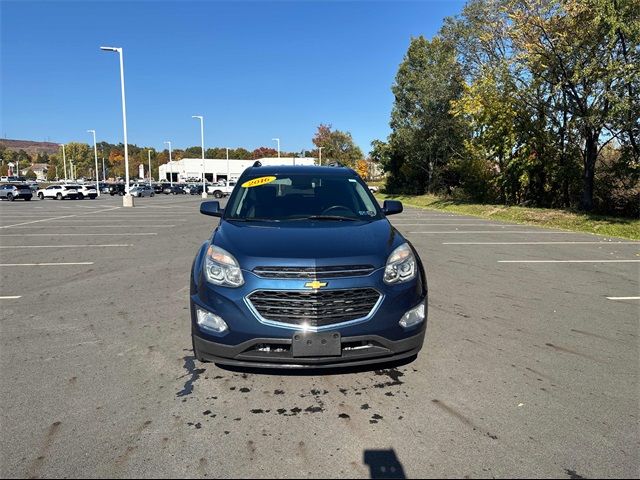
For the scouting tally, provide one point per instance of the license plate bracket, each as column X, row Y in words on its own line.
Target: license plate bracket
column 316, row 344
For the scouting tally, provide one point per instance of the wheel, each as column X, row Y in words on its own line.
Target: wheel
column 217, row 194
column 41, row 196
column 58, row 196
column 10, row 197
column 152, row 194
column 81, row 196
column 121, row 194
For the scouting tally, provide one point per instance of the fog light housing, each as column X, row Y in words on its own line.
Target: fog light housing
column 210, row 321
column 413, row 317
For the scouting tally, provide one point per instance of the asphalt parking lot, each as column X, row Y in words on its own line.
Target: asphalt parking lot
column 530, row 367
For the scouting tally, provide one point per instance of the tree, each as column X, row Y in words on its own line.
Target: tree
column 426, row 135
column 337, row 146
column 362, row 168
column 589, row 68
column 264, row 152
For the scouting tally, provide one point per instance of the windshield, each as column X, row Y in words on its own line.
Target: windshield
column 296, row 197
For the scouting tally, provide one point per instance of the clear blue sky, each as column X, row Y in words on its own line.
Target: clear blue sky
column 255, row 70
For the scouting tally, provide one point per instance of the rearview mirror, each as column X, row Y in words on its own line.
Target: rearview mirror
column 211, row 208
column 391, row 207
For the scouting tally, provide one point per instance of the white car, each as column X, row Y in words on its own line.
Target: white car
column 85, row 191
column 219, row 191
column 59, row 192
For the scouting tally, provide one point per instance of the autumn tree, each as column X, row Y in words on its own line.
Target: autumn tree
column 337, row 146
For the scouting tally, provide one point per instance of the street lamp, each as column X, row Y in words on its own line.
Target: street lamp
column 95, row 152
column 204, row 186
column 127, row 200
column 320, row 154
column 228, row 171
column 170, row 166
column 277, row 140
column 150, row 177
column 64, row 159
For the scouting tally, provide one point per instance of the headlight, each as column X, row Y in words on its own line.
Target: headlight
column 413, row 317
column 222, row 269
column 401, row 265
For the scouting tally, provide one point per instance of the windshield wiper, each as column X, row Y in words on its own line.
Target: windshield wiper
column 327, row 217
column 252, row 219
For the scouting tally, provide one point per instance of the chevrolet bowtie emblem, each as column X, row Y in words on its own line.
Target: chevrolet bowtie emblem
column 315, row 284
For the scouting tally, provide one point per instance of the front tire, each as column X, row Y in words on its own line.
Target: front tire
column 81, row 196
column 217, row 194
column 58, row 196
column 41, row 196
column 10, row 197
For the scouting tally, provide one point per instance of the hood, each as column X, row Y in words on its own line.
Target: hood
column 322, row 243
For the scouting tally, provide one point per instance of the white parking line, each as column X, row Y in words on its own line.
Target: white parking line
column 542, row 243
column 42, row 264
column 75, row 234
column 623, row 298
column 11, row 297
column 67, row 246
column 57, row 218
column 98, row 226
column 456, row 225
column 493, row 232
column 568, row 261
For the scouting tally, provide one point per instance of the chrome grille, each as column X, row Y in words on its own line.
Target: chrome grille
column 315, row 308
column 339, row 271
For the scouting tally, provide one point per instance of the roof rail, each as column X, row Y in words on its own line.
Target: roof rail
column 257, row 163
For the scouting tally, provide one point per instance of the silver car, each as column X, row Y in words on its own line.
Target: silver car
column 11, row 192
column 142, row 191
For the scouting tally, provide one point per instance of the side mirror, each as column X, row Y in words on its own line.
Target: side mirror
column 211, row 208
column 391, row 207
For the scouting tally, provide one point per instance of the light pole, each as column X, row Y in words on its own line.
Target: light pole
column 204, row 186
column 104, row 173
column 64, row 159
column 277, row 140
column 228, row 171
column 150, row 176
column 95, row 152
column 127, row 200
column 170, row 166
column 320, row 154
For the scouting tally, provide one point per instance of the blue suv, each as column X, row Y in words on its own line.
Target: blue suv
column 304, row 270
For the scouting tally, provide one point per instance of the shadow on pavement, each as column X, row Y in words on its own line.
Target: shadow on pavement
column 383, row 464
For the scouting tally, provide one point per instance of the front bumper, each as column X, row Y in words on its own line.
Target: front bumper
column 356, row 351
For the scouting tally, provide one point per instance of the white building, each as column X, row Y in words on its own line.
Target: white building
column 216, row 169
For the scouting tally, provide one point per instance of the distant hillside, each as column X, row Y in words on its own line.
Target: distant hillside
column 32, row 148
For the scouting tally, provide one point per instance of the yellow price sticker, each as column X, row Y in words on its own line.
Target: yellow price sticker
column 256, row 182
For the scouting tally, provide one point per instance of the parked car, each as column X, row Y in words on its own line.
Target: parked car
column 142, row 191
column 195, row 190
column 174, row 190
column 86, row 191
column 117, row 189
column 221, row 190
column 11, row 192
column 305, row 271
column 373, row 188
column 159, row 187
column 59, row 192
